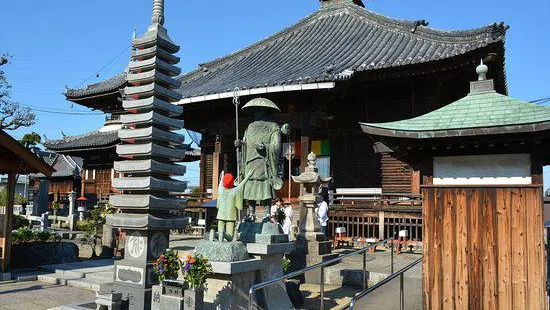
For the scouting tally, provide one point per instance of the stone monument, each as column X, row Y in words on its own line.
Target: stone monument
column 150, row 150
column 261, row 147
column 310, row 241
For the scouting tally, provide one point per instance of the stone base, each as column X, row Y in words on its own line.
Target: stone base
column 228, row 287
column 191, row 300
column 216, row 251
column 274, row 296
column 133, row 297
column 264, row 232
column 268, row 249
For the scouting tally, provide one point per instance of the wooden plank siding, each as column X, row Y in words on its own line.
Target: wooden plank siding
column 483, row 248
column 396, row 175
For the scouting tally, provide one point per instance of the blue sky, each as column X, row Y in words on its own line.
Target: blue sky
column 65, row 42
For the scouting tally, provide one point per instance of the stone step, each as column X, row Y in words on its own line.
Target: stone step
column 53, row 278
column 86, row 283
column 105, row 276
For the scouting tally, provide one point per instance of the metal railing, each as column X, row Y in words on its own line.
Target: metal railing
column 322, row 265
column 400, row 273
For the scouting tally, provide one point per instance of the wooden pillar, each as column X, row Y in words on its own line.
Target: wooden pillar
column 415, row 182
column 216, row 168
column 304, row 142
column 6, row 225
column 381, row 226
column 202, row 173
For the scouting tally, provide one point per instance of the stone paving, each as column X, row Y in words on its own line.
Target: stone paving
column 76, row 282
column 36, row 295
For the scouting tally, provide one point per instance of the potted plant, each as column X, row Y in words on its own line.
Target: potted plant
column 196, row 269
column 167, row 268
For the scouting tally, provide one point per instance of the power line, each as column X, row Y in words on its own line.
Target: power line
column 105, row 66
column 59, row 112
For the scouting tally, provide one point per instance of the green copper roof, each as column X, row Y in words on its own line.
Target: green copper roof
column 477, row 110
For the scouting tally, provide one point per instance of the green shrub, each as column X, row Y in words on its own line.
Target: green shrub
column 18, row 221
column 25, row 235
column 94, row 223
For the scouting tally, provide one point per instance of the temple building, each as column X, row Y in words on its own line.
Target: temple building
column 338, row 66
column 98, row 148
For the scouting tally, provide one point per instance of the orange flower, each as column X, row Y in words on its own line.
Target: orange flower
column 189, row 256
column 192, row 261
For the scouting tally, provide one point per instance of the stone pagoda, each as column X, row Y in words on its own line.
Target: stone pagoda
column 150, row 150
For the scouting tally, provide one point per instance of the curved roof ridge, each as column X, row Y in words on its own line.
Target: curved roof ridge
column 221, row 73
column 76, row 137
column 487, row 109
column 110, row 84
column 496, row 30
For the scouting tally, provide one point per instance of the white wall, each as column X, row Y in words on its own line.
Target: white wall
column 483, row 169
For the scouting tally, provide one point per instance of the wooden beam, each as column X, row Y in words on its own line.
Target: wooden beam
column 6, row 226
column 216, row 168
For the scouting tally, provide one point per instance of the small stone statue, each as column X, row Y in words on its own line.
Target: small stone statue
column 261, row 147
column 230, row 199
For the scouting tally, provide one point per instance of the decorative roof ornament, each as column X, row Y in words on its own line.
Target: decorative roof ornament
column 481, row 71
column 333, row 2
column 158, row 12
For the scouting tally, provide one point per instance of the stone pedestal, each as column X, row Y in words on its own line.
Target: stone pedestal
column 228, row 287
column 191, row 300
column 274, row 296
column 108, row 241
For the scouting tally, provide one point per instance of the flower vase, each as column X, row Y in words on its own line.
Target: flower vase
column 193, row 299
column 174, row 288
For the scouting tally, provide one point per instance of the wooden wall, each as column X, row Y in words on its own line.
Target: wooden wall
column 396, row 175
column 483, row 248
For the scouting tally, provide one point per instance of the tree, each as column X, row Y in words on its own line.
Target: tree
column 30, row 140
column 12, row 115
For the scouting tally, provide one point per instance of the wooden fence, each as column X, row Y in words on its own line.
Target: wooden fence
column 483, row 248
column 376, row 224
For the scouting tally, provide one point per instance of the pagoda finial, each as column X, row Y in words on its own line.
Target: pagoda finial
column 158, row 12
column 481, row 71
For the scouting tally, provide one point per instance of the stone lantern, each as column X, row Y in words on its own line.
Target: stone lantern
column 311, row 245
column 312, row 182
column 81, row 207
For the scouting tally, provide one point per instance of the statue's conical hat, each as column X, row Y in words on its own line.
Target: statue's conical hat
column 260, row 103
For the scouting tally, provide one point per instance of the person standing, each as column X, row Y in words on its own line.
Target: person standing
column 289, row 217
column 322, row 214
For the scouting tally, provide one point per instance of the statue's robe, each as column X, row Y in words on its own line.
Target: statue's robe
column 264, row 164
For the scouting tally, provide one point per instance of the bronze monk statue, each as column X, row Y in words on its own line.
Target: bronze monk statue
column 261, row 148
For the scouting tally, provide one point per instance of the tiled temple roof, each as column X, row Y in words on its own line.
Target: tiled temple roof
column 108, row 85
column 483, row 111
column 94, row 139
column 99, row 140
column 64, row 165
column 333, row 44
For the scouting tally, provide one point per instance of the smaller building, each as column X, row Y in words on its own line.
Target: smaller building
column 481, row 159
column 66, row 178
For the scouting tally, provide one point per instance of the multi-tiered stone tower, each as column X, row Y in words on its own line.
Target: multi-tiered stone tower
column 149, row 150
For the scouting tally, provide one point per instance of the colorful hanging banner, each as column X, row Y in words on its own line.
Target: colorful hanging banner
column 321, row 147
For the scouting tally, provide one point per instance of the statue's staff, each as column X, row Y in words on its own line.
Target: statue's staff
column 236, row 103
